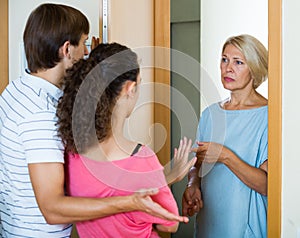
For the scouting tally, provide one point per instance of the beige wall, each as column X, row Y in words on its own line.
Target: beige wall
column 131, row 23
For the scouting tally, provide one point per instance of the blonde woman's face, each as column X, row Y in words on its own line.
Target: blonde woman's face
column 235, row 73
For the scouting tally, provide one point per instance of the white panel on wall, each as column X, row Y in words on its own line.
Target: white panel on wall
column 19, row 11
column 290, row 119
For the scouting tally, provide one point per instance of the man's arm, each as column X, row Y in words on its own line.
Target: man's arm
column 192, row 199
column 48, row 184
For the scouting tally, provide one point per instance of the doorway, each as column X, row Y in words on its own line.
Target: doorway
column 185, row 85
column 275, row 107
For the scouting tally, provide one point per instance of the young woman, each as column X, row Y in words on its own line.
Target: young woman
column 99, row 95
column 232, row 152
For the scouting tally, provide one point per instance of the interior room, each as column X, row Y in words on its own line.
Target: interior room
column 179, row 47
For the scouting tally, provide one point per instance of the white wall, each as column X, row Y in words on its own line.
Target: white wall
column 291, row 119
column 220, row 20
column 19, row 11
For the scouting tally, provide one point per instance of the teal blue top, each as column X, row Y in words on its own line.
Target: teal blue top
column 232, row 209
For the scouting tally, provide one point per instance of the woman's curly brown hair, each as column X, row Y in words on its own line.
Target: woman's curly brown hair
column 90, row 90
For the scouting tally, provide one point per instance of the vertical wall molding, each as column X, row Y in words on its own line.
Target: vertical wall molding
column 275, row 119
column 4, row 44
column 162, row 37
column 162, row 113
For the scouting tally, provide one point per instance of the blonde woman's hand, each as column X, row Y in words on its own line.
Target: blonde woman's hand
column 191, row 200
column 211, row 152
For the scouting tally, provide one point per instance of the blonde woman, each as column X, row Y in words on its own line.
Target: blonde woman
column 230, row 191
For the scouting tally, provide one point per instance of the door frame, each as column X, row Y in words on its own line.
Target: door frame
column 275, row 117
column 4, row 44
column 162, row 38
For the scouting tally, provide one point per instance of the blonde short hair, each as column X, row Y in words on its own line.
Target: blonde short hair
column 256, row 56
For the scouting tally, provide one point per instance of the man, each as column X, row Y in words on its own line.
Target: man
column 32, row 200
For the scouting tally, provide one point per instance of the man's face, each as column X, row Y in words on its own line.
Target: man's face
column 78, row 52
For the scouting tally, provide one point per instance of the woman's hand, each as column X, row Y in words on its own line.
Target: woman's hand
column 211, row 152
column 177, row 169
column 254, row 178
column 191, row 200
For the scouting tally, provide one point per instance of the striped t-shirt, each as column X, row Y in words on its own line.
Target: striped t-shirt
column 27, row 135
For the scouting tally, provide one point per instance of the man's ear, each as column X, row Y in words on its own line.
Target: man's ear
column 65, row 49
